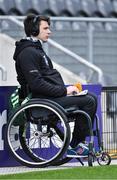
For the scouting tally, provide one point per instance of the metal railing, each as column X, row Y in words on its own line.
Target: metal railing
column 109, row 119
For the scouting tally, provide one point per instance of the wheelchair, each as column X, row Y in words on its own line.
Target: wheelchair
column 38, row 134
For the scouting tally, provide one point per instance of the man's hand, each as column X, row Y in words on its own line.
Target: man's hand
column 72, row 90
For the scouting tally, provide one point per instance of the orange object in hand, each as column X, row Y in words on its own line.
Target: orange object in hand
column 79, row 86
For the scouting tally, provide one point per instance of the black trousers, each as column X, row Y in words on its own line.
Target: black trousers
column 88, row 103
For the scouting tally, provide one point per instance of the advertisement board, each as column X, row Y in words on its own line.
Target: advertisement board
column 6, row 158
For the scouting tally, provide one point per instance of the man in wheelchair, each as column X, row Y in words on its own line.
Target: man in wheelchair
column 35, row 71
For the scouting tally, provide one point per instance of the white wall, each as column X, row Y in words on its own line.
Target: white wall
column 7, row 46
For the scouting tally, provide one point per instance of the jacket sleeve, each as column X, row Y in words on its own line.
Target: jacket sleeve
column 36, row 81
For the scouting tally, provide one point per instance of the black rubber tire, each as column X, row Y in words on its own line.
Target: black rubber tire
column 104, row 159
column 37, row 162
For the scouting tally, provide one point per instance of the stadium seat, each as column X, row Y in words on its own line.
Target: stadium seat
column 75, row 6
column 61, row 25
column 4, row 25
column 98, row 26
column 22, row 7
column 69, row 5
column 114, row 4
column 88, row 7
column 104, row 7
column 79, row 25
column 111, row 26
column 59, row 7
column 4, row 6
column 36, row 8
column 11, row 29
column 41, row 7
column 54, row 7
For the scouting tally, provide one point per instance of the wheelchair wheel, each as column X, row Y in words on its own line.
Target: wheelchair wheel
column 104, row 159
column 42, row 135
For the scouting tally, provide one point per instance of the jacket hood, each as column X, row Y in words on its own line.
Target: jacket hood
column 23, row 43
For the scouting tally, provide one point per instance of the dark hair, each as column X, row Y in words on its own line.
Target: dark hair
column 32, row 22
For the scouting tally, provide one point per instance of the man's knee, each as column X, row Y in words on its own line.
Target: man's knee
column 93, row 100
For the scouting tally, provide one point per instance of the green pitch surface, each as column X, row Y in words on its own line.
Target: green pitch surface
column 97, row 172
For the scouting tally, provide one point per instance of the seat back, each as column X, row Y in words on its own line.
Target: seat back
column 104, row 7
column 88, row 7
column 22, row 7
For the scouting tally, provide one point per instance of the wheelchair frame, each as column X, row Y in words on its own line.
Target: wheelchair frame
column 44, row 121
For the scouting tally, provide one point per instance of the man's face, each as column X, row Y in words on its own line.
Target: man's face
column 44, row 31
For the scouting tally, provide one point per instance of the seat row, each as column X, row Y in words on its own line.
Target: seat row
column 86, row 8
column 7, row 25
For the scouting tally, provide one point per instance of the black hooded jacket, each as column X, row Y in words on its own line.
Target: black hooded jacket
column 34, row 68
